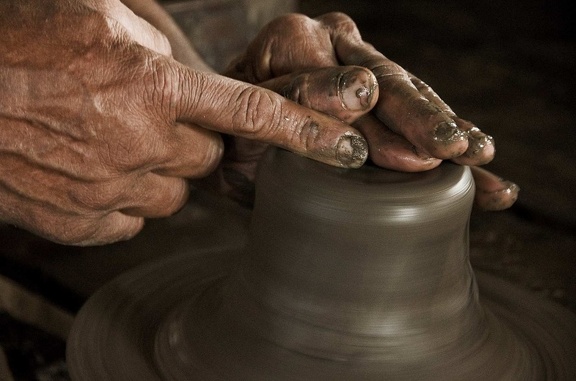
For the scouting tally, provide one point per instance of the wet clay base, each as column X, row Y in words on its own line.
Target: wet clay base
column 158, row 324
column 347, row 275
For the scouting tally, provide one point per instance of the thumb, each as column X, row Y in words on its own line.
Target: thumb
column 237, row 108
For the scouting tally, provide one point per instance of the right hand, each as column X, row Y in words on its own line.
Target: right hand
column 409, row 129
column 100, row 126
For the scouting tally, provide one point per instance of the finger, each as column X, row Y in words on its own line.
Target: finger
column 112, row 227
column 345, row 92
column 153, row 195
column 480, row 145
column 407, row 112
column 236, row 174
column 401, row 106
column 237, row 108
column 192, row 152
column 492, row 192
column 91, row 231
column 390, row 150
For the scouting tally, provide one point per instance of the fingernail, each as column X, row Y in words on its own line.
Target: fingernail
column 356, row 89
column 508, row 187
column 478, row 141
column 502, row 198
column 448, row 132
column 352, row 151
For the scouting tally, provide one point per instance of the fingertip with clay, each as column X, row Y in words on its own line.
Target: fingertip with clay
column 480, row 150
column 352, row 151
column 345, row 92
column 346, row 149
column 449, row 141
column 492, row 192
column 391, row 150
column 357, row 89
column 424, row 124
column 320, row 137
column 260, row 114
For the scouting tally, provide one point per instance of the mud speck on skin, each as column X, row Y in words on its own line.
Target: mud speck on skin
column 497, row 202
column 477, row 144
column 352, row 151
column 449, row 133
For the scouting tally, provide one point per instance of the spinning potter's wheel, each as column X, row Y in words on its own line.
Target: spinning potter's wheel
column 348, row 275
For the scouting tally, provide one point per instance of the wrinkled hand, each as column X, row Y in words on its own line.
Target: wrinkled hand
column 99, row 126
column 409, row 129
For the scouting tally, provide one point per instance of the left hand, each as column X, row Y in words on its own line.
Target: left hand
column 409, row 129
column 100, row 127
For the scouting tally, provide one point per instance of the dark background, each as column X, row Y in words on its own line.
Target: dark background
column 510, row 67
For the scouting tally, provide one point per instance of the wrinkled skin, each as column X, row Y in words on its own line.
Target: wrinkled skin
column 100, row 126
column 409, row 129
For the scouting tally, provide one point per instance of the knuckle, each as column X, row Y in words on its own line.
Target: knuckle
column 160, row 86
column 291, row 21
column 257, row 114
column 107, row 229
column 388, row 73
column 169, row 87
column 177, row 198
column 295, row 89
column 131, row 145
column 307, row 135
column 419, row 84
column 100, row 197
column 123, row 151
column 338, row 21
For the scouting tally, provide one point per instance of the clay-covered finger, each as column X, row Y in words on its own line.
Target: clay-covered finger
column 407, row 112
column 345, row 92
column 401, row 106
column 480, row 145
column 390, row 150
column 492, row 192
column 152, row 195
column 237, row 108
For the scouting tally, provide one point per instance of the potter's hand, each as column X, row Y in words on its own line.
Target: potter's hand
column 409, row 129
column 345, row 92
column 99, row 126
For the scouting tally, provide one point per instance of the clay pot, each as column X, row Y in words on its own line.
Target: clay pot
column 345, row 264
column 348, row 275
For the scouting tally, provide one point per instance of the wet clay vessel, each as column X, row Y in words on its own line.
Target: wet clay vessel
column 347, row 275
